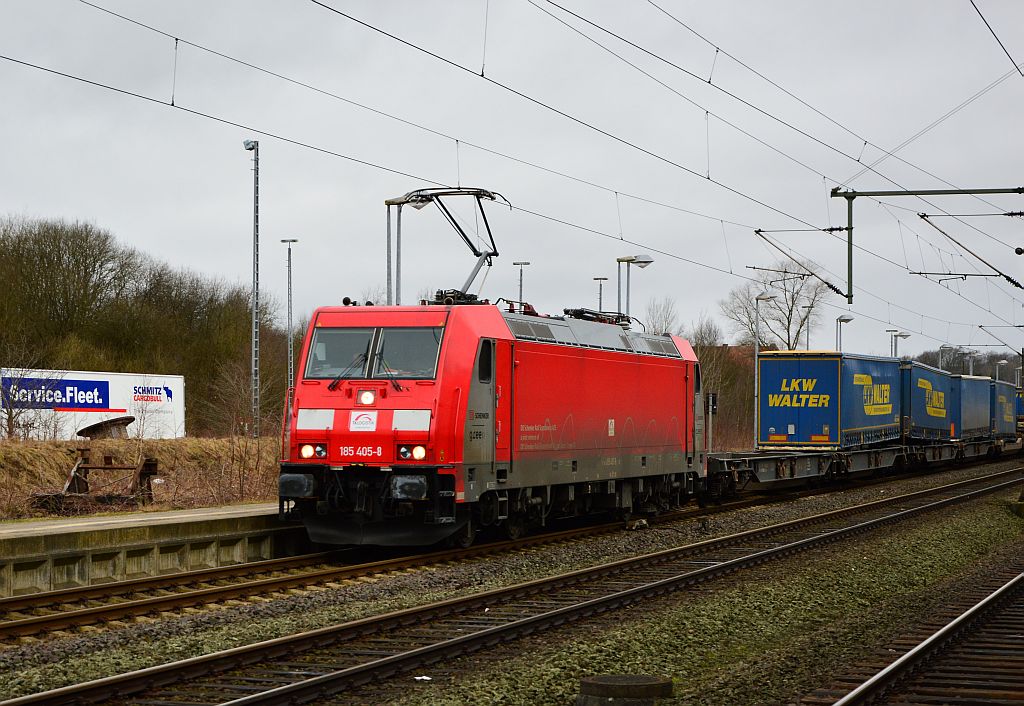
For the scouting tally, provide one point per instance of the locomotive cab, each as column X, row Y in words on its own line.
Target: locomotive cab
column 369, row 448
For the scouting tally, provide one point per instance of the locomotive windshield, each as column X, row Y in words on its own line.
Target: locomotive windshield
column 407, row 352
column 339, row 353
column 382, row 353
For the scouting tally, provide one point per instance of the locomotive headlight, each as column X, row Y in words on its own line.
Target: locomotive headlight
column 419, row 453
column 404, row 452
column 367, row 397
column 309, row 451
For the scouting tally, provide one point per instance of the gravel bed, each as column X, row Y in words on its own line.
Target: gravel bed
column 766, row 638
column 90, row 654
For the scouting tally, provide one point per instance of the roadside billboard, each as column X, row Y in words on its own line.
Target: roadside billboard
column 54, row 404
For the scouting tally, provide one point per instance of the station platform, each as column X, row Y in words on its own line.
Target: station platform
column 55, row 553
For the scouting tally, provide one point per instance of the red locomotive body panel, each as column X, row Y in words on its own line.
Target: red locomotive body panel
column 412, row 424
column 596, row 403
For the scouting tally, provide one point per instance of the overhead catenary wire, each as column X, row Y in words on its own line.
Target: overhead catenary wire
column 568, row 116
column 886, row 153
column 321, row 150
column 576, row 119
column 300, row 143
column 458, row 141
column 410, row 123
column 995, row 269
column 729, row 93
column 996, row 36
column 283, row 138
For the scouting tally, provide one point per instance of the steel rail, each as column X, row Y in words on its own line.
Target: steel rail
column 327, row 684
column 60, row 619
column 77, row 617
column 120, row 686
column 891, row 676
column 39, row 599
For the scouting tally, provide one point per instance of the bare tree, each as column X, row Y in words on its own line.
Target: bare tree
column 705, row 335
column 784, row 319
column 661, row 316
column 376, row 295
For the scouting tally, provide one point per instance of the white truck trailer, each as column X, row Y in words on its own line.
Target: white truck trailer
column 55, row 404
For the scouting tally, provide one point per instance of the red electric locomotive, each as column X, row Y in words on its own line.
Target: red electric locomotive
column 409, row 425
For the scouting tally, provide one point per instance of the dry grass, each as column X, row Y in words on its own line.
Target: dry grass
column 195, row 472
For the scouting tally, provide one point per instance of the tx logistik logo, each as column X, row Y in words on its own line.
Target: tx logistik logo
column 800, row 390
column 934, row 400
column 876, row 395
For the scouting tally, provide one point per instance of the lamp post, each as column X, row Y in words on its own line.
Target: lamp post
column 254, row 147
column 944, row 347
column 762, row 297
column 807, row 320
column 640, row 261
column 999, row 364
column 291, row 341
column 896, row 343
column 600, row 285
column 521, row 265
column 892, row 337
column 970, row 361
column 840, row 320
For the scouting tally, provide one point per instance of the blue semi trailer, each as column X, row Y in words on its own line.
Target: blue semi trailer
column 1003, row 406
column 827, row 400
column 930, row 397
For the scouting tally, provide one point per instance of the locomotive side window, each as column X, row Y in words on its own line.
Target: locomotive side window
column 407, row 353
column 486, row 364
column 339, row 353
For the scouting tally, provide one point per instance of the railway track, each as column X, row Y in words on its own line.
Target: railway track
column 67, row 609
column 977, row 657
column 313, row 665
column 51, row 611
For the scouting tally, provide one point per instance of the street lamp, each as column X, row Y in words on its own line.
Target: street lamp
column 840, row 320
column 896, row 343
column 254, row 147
column 807, row 320
column 521, row 265
column 944, row 347
column 640, row 261
column 892, row 334
column 600, row 299
column 291, row 341
column 762, row 297
column 970, row 361
column 999, row 364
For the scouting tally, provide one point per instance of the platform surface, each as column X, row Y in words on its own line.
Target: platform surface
column 94, row 523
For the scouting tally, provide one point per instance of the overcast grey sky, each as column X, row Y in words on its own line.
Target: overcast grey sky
column 178, row 185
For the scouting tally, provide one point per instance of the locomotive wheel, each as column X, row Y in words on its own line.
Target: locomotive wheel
column 466, row 536
column 515, row 527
